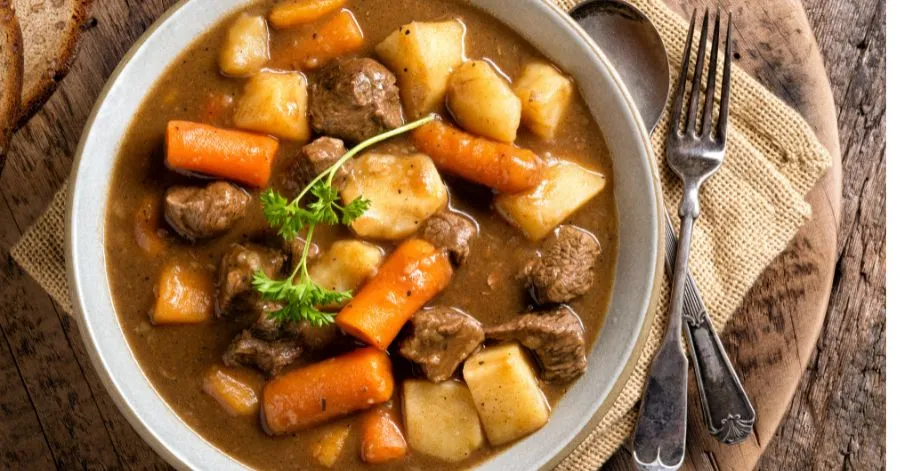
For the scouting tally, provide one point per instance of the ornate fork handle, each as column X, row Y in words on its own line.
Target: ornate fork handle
column 727, row 410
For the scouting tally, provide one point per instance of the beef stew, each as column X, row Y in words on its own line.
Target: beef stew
column 186, row 240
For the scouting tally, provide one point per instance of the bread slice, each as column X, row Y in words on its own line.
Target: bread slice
column 10, row 74
column 50, row 30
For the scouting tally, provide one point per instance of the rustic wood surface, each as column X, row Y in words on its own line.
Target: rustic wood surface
column 55, row 413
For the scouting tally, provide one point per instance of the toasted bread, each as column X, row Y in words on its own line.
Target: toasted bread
column 50, row 31
column 10, row 74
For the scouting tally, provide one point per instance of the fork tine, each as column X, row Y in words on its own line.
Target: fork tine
column 698, row 77
column 706, row 124
column 726, row 87
column 675, row 124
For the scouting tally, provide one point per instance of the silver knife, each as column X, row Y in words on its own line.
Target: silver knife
column 727, row 410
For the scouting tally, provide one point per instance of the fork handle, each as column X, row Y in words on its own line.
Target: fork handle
column 727, row 411
column 661, row 429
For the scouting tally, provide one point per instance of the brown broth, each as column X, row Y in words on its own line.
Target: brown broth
column 175, row 357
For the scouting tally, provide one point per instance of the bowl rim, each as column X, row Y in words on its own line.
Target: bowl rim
column 91, row 336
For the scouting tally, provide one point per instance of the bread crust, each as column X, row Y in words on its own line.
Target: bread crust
column 50, row 32
column 11, row 65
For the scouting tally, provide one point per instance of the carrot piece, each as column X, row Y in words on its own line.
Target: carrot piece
column 337, row 36
column 235, row 389
column 147, row 224
column 236, row 155
column 503, row 167
column 287, row 13
column 322, row 391
column 382, row 438
column 413, row 274
column 184, row 295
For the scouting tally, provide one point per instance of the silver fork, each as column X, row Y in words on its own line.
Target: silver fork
column 659, row 436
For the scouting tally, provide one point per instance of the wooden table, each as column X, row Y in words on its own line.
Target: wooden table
column 55, row 413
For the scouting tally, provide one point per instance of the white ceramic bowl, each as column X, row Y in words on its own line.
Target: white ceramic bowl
column 636, row 190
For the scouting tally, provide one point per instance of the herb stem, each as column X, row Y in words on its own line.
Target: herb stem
column 331, row 171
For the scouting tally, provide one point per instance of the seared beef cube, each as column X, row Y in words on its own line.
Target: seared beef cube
column 265, row 326
column 269, row 356
column 294, row 247
column 237, row 268
column 355, row 99
column 564, row 269
column 556, row 337
column 441, row 339
column 200, row 213
column 451, row 232
column 313, row 159
column 310, row 337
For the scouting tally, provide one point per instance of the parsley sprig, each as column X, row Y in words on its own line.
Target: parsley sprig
column 300, row 296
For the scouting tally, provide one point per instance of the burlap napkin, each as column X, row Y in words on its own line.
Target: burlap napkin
column 751, row 209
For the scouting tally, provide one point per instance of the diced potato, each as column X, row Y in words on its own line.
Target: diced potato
column 404, row 191
column 184, row 295
column 346, row 265
column 235, row 389
column 423, row 55
column 290, row 13
column 506, row 393
column 545, row 95
column 441, row 419
column 148, row 226
column 482, row 101
column 564, row 188
column 327, row 449
column 274, row 103
column 246, row 47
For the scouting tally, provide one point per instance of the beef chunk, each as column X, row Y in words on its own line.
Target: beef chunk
column 313, row 159
column 564, row 269
column 294, row 248
column 236, row 272
column 355, row 99
column 556, row 337
column 200, row 213
column 269, row 356
column 441, row 339
column 310, row 337
column 452, row 232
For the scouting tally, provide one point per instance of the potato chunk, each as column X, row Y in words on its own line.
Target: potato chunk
column 441, row 419
column 506, row 392
column 423, row 55
column 482, row 101
column 346, row 265
column 246, row 47
column 327, row 449
column 274, row 103
column 184, row 295
column 235, row 389
column 404, row 191
column 564, row 188
column 545, row 95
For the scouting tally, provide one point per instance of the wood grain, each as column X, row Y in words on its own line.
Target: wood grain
column 55, row 413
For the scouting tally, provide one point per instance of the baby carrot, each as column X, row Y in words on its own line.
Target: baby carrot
column 413, row 274
column 382, row 438
column 322, row 391
column 287, row 13
column 235, row 155
column 503, row 167
column 337, row 36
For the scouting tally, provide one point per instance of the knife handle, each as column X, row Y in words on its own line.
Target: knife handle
column 727, row 411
